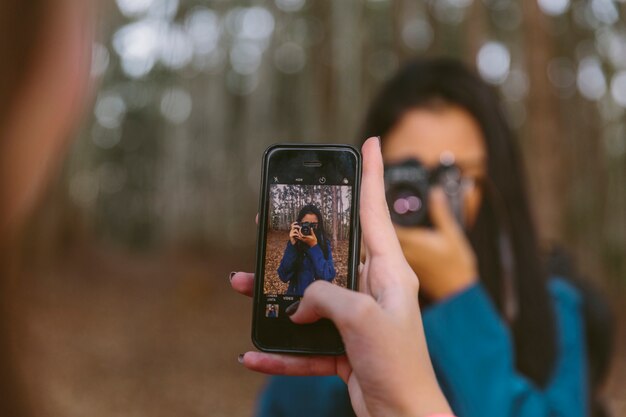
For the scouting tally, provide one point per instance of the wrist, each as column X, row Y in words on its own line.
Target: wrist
column 431, row 403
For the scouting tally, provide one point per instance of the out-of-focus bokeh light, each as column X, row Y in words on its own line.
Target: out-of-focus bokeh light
column 131, row 8
column 100, row 59
column 590, row 79
column 290, row 5
column 611, row 44
column 203, row 27
column 605, row 11
column 493, row 62
column 176, row 49
column 290, row 58
column 562, row 75
column 618, row 88
column 137, row 45
column 105, row 138
column 83, row 188
column 417, row 34
column 176, row 105
column 110, row 109
column 554, row 7
column 245, row 57
column 254, row 23
column 516, row 85
column 451, row 11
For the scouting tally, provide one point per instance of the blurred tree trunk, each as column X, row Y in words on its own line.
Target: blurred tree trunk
column 543, row 142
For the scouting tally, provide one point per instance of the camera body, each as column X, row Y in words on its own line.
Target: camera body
column 306, row 228
column 407, row 185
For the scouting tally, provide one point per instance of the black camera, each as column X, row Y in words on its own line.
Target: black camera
column 306, row 228
column 407, row 185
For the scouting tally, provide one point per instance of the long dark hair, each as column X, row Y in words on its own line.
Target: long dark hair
column 424, row 83
column 320, row 233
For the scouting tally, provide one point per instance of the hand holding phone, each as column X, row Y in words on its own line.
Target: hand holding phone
column 387, row 367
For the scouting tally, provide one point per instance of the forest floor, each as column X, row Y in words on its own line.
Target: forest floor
column 105, row 333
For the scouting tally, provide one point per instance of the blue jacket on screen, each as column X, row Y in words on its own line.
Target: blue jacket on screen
column 472, row 352
column 300, row 269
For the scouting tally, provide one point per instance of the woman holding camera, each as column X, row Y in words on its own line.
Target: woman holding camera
column 505, row 339
column 308, row 255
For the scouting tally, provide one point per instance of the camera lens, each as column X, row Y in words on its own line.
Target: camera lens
column 305, row 229
column 406, row 206
column 406, row 189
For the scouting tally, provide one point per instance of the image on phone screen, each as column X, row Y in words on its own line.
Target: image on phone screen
column 308, row 237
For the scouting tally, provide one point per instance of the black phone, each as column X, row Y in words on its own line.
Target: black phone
column 308, row 230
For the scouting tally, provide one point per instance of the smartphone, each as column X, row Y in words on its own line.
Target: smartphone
column 308, row 230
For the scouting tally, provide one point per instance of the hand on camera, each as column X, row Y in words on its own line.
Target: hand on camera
column 294, row 233
column 387, row 367
column 442, row 256
column 310, row 239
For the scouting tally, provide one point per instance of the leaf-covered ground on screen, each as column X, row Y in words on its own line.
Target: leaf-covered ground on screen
column 276, row 242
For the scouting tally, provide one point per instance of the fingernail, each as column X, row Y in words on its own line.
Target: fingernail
column 240, row 358
column 230, row 277
column 379, row 141
column 291, row 310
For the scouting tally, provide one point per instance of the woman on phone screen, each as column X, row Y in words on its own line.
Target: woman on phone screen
column 505, row 338
column 308, row 256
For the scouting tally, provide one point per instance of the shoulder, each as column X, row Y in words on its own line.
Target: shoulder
column 312, row 396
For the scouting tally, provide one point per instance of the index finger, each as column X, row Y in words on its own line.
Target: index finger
column 378, row 232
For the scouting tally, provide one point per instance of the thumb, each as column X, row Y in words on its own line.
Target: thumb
column 441, row 213
column 325, row 300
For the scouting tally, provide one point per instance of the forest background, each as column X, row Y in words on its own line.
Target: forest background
column 126, row 301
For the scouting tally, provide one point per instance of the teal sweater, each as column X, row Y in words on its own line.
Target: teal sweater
column 472, row 352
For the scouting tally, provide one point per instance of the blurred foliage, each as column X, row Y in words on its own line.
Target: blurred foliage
column 191, row 92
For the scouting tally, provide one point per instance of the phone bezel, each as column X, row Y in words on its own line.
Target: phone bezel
column 301, row 332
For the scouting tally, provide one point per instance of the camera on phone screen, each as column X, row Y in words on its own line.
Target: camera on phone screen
column 408, row 184
column 306, row 228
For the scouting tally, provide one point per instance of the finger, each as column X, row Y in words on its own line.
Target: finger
column 344, row 307
column 441, row 213
column 378, row 234
column 256, row 219
column 363, row 252
column 275, row 364
column 243, row 283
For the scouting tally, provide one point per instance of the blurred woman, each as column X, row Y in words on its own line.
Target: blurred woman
column 505, row 339
column 308, row 255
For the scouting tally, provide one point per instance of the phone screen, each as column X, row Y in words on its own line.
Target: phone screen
column 307, row 233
